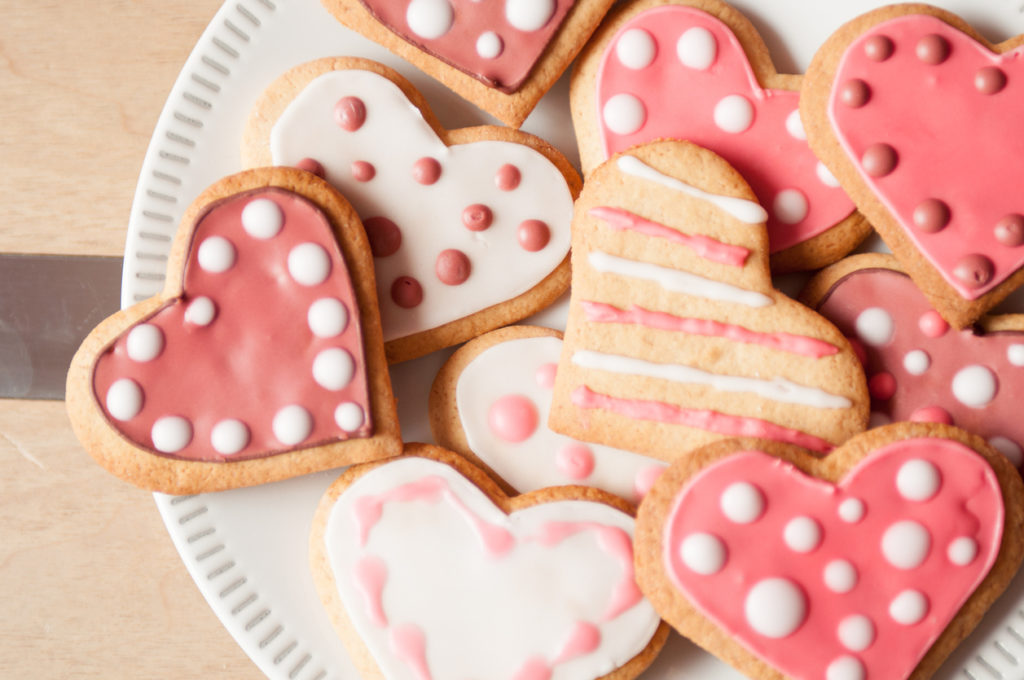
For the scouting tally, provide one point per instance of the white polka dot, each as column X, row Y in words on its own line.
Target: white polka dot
column 775, row 607
column 975, row 386
column 856, row 632
column 292, row 424
column 851, row 510
column 144, row 343
column 802, row 534
column 905, row 544
column 333, row 368
column 349, row 416
column 635, row 49
column 229, row 436
column 216, row 255
column 742, row 502
column 529, row 15
column 825, row 176
column 262, row 218
column 201, row 311
column 962, row 551
column 124, row 399
column 1008, row 448
column 734, row 113
column 697, row 48
column 489, row 45
column 790, row 206
column 795, row 125
column 703, row 554
column 845, row 668
column 429, row 19
column 909, row 607
column 916, row 361
column 840, row 576
column 878, row 419
column 327, row 317
column 171, row 434
column 309, row 264
column 918, row 480
column 624, row 114
column 875, row 326
column 1015, row 355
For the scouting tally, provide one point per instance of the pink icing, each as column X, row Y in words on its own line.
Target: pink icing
column 703, row 246
column 965, row 503
column 931, row 114
column 513, row 418
column 599, row 312
column 371, row 576
column 709, row 421
column 584, row 639
column 535, row 668
column 575, row 460
column 546, row 376
column 409, row 645
column 766, row 153
column 507, row 178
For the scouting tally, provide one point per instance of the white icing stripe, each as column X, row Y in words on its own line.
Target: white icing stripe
column 677, row 281
column 742, row 209
column 774, row 389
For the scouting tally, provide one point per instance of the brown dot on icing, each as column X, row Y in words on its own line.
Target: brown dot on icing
column 854, row 93
column 384, row 235
column 990, row 79
column 452, row 267
column 312, row 165
column 507, row 177
column 879, row 160
column 878, row 48
column 973, row 270
column 350, row 113
column 406, row 292
column 1010, row 230
column 932, row 49
column 363, row 171
column 533, row 235
column 426, row 170
column 931, row 215
column 477, row 217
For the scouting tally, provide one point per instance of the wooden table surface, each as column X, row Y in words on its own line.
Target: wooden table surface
column 90, row 585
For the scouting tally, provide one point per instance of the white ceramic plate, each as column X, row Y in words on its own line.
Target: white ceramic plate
column 247, row 549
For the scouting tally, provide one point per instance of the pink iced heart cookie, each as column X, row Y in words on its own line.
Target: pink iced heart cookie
column 919, row 118
column 262, row 358
column 873, row 563
column 699, row 71
column 469, row 228
column 421, row 559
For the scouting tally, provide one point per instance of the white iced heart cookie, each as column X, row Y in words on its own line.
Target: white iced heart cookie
column 469, row 228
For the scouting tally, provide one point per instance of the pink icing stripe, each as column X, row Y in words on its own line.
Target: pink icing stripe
column 495, row 540
column 710, row 421
column 535, row 668
column 599, row 312
column 371, row 576
column 584, row 639
column 704, row 246
column 409, row 646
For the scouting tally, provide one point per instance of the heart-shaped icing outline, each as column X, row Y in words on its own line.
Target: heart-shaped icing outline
column 327, row 588
column 814, row 102
column 256, row 152
column 824, row 248
column 155, row 472
column 678, row 611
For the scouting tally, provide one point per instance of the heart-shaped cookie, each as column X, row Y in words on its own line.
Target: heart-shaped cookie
column 469, row 228
column 429, row 571
column 262, row 358
column 698, row 70
column 871, row 563
column 676, row 336
column 919, row 118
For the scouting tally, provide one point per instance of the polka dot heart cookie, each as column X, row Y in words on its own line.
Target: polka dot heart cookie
column 698, row 70
column 874, row 562
column 469, row 228
column 261, row 360
column 918, row 117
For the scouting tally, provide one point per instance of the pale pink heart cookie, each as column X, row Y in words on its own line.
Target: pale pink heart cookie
column 262, row 358
column 919, row 118
column 697, row 70
column 873, row 563
column 469, row 228
column 422, row 559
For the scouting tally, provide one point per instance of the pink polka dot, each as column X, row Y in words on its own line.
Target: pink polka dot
column 406, row 292
column 384, row 235
column 363, row 171
column 882, row 386
column 350, row 113
column 931, row 414
column 545, row 376
column 507, row 178
column 932, row 324
column 452, row 267
column 575, row 460
column 477, row 217
column 426, row 170
column 513, row 418
column 533, row 235
column 646, row 478
column 311, row 165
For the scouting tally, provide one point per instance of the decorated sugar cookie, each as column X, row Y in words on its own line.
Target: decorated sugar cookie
column 918, row 117
column 676, row 336
column 429, row 571
column 469, row 228
column 490, row 403
column 261, row 360
column 874, row 562
column 698, row 70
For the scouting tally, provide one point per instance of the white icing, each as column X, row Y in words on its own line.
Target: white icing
column 975, row 386
column 292, row 424
column 124, row 399
column 430, row 19
column 846, row 668
column 489, row 45
column 840, row 576
column 773, row 389
column 802, row 534
column 825, row 175
column 795, row 125
column 144, row 343
column 905, row 544
column 875, row 326
column 743, row 210
column 790, row 206
column 916, row 362
column 529, row 15
column 734, row 114
column 908, row 607
column 962, row 551
column 742, row 503
column 856, row 632
column 171, row 434
column 309, row 264
column 262, row 218
column 333, row 368
column 1008, row 448
column 624, row 114
column 703, row 553
column 229, row 436
column 851, row 510
column 918, row 480
column 677, row 281
column 1015, row 354
column 775, row 607
column 697, row 48
column 349, row 416
column 327, row 317
column 636, row 49
column 216, row 255
column 201, row 311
